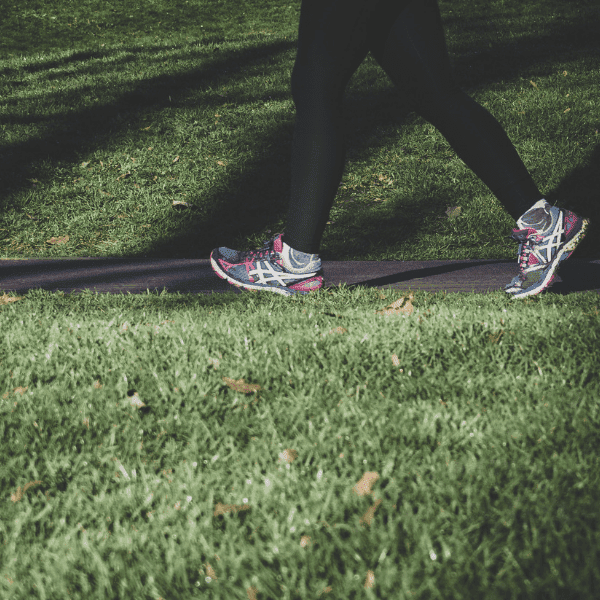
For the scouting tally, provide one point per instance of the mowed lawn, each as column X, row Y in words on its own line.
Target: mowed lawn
column 354, row 443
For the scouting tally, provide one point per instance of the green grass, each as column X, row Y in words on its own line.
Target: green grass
column 478, row 416
column 240, row 476
column 104, row 137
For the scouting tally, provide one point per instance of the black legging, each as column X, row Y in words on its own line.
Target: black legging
column 407, row 39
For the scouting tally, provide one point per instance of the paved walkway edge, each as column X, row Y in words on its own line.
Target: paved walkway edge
column 137, row 275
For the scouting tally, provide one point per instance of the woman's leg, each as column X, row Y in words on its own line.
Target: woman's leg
column 415, row 57
column 333, row 40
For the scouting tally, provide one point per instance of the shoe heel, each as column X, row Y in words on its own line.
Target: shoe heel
column 572, row 244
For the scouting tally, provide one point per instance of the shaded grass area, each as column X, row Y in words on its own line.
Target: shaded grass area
column 170, row 144
column 164, row 446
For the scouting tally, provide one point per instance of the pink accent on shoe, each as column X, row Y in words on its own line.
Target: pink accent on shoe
column 226, row 265
column 570, row 220
column 278, row 244
column 529, row 231
column 309, row 285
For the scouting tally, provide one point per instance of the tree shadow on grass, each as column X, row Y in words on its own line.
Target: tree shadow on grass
column 257, row 198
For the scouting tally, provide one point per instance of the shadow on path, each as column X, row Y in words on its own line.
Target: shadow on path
column 137, row 275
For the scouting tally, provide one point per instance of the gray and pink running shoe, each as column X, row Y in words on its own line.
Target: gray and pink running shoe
column 547, row 236
column 275, row 267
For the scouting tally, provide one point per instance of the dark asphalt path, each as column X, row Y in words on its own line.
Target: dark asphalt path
column 136, row 275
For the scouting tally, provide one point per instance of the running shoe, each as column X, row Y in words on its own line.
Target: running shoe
column 547, row 236
column 275, row 267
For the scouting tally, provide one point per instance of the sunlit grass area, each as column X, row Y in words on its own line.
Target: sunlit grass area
column 355, row 443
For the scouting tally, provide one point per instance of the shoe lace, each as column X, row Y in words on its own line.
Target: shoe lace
column 529, row 241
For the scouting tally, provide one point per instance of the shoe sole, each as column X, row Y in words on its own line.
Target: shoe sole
column 249, row 286
column 568, row 247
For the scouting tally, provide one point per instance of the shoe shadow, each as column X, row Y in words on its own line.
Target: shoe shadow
column 485, row 275
column 577, row 276
column 477, row 273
